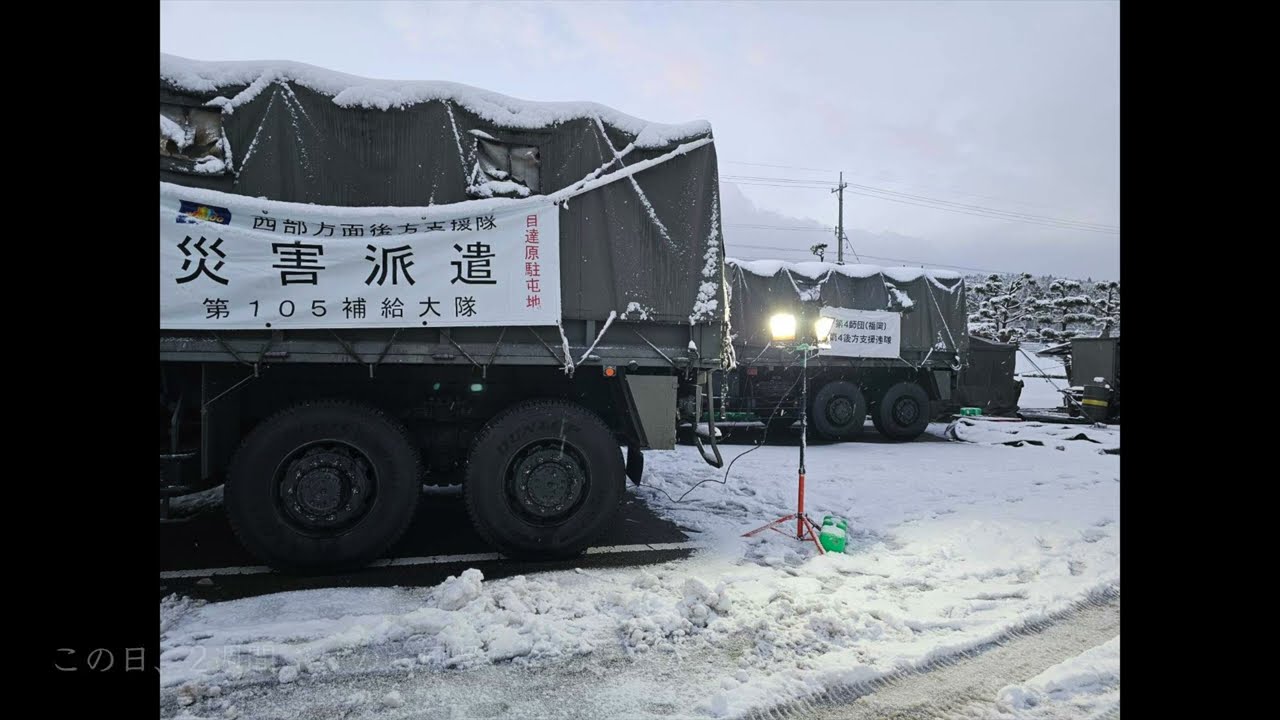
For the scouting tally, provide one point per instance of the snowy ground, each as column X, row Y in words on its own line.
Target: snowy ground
column 1039, row 391
column 1085, row 684
column 950, row 545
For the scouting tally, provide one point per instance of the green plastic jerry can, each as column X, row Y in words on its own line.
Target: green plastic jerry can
column 832, row 536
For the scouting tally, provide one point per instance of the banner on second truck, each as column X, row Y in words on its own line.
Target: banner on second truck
column 234, row 262
column 864, row 333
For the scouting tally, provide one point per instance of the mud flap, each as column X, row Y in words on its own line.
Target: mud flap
column 635, row 464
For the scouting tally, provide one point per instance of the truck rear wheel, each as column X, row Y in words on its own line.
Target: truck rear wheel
column 544, row 479
column 323, row 487
column 839, row 411
column 903, row 412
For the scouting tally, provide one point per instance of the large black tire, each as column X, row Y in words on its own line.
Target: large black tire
column 323, row 487
column 903, row 413
column 839, row 411
column 544, row 479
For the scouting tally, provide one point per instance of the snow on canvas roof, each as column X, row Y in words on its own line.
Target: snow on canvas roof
column 352, row 91
column 816, row 270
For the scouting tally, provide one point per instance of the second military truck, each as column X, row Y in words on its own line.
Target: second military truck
column 898, row 338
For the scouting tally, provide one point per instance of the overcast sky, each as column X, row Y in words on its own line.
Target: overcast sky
column 1005, row 106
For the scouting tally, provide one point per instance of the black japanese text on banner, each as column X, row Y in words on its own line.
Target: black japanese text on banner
column 864, row 333
column 231, row 261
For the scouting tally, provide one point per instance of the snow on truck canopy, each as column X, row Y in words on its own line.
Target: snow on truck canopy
column 639, row 201
column 816, row 270
column 350, row 91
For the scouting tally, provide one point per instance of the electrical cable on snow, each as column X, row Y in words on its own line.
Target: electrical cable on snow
column 763, row 439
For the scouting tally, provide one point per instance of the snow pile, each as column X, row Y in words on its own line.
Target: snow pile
column 352, row 91
column 461, row 623
column 456, row 592
column 173, row 608
column 1083, row 684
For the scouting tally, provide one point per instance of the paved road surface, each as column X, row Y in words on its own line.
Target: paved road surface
column 202, row 558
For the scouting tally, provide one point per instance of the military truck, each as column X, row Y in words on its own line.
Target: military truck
column 1093, row 368
column 898, row 338
column 367, row 286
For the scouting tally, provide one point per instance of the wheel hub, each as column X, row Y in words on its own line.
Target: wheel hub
column 840, row 411
column 548, row 482
column 326, row 488
column 320, row 491
column 905, row 411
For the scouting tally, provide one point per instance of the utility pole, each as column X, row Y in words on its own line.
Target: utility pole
column 840, row 221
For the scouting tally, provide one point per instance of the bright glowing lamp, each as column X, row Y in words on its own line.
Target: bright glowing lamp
column 822, row 328
column 783, row 326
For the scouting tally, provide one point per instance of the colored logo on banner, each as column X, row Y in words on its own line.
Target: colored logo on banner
column 190, row 212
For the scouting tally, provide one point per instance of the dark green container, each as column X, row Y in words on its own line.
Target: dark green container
column 1097, row 399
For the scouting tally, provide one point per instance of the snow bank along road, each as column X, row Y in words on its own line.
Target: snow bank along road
column 953, row 546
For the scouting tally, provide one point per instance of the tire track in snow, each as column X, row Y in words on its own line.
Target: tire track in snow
column 963, row 686
column 607, row 683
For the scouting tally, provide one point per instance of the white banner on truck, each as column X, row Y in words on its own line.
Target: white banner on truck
column 864, row 333
column 236, row 262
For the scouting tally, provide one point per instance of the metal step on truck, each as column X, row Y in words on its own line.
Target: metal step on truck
column 367, row 286
column 897, row 337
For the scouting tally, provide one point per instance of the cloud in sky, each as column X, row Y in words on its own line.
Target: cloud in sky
column 1012, row 106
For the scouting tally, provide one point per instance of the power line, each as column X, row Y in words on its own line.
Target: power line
column 942, row 265
column 929, row 202
column 925, row 201
column 777, row 227
column 1058, row 226
column 892, row 181
column 762, row 178
column 954, row 191
column 785, row 167
column 1028, row 216
column 915, row 263
column 812, row 186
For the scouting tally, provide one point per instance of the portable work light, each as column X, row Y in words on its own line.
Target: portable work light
column 822, row 329
column 783, row 326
